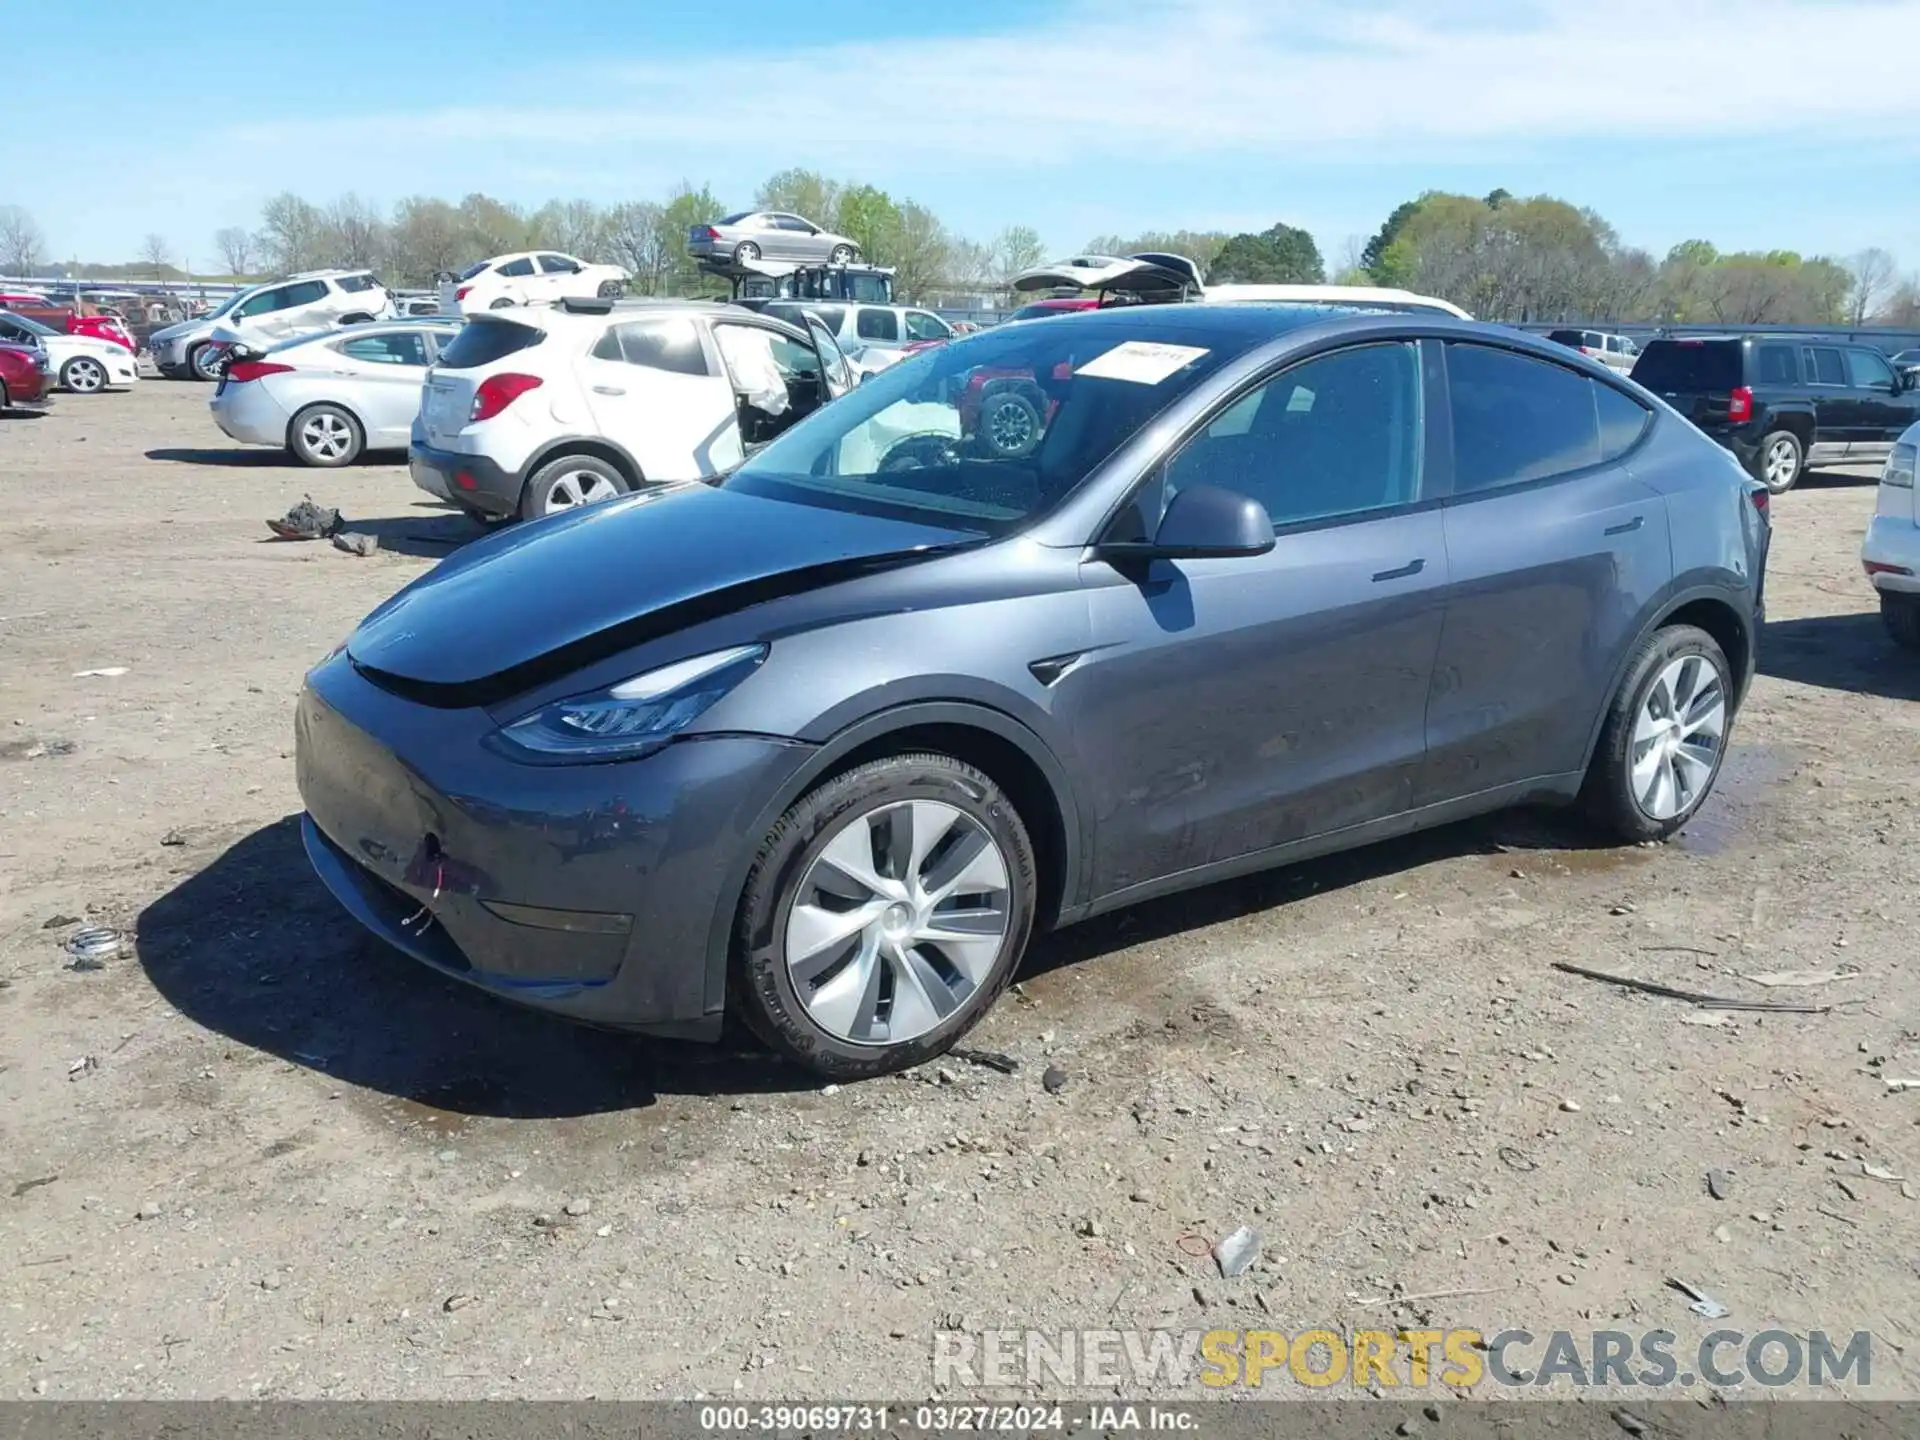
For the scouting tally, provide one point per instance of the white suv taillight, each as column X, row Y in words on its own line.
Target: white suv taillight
column 497, row 392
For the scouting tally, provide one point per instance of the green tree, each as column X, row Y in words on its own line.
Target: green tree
column 801, row 192
column 1379, row 258
column 868, row 216
column 1017, row 248
column 684, row 209
column 1282, row 255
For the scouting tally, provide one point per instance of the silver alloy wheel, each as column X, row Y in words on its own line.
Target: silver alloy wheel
column 1677, row 737
column 84, row 375
column 206, row 363
column 327, row 436
column 897, row 922
column 1782, row 464
column 571, row 489
column 1010, row 428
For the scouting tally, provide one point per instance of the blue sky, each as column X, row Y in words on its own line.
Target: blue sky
column 1766, row 124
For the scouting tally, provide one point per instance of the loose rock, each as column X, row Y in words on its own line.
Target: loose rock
column 577, row 1208
column 1236, row 1253
column 1054, row 1080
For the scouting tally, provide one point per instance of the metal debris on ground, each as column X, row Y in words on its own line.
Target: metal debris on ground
column 96, row 943
column 1236, row 1253
column 1898, row 1087
column 54, row 922
column 173, row 837
column 358, row 542
column 1802, row 979
column 988, row 1059
column 1719, row 1184
column 105, row 672
column 1692, row 997
column 1704, row 1305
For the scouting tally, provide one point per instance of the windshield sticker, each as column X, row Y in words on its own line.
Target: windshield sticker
column 1140, row 362
column 1300, row 402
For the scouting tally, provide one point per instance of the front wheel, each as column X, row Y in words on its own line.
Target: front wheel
column 842, row 255
column 326, row 437
column 501, row 304
column 206, row 363
column 884, row 914
column 611, row 289
column 1664, row 737
column 84, row 375
column 1780, row 461
column 1901, row 615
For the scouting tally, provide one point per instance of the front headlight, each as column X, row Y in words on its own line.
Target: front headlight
column 636, row 716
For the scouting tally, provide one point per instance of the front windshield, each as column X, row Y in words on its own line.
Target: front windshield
column 989, row 432
column 227, row 304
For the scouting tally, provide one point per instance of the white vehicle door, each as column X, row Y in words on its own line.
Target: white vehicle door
column 653, row 392
column 556, row 275
column 517, row 282
column 383, row 374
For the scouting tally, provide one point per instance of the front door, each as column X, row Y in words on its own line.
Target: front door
column 1555, row 551
column 1883, row 408
column 1232, row 705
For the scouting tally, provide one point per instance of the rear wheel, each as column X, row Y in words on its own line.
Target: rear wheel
column 205, row 363
column 745, row 252
column 83, row 375
column 1664, row 737
column 1901, row 615
column 884, row 914
column 325, row 436
column 568, row 483
column 1780, row 461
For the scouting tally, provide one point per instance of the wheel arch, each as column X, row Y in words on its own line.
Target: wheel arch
column 1711, row 608
column 1008, row 752
column 341, row 405
column 597, row 446
column 1797, row 422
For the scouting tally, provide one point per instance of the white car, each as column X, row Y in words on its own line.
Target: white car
column 78, row 363
column 539, row 409
column 265, row 313
column 531, row 277
column 329, row 398
column 1616, row 352
column 1891, row 552
column 876, row 327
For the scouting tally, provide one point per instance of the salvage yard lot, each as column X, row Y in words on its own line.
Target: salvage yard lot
column 259, row 1155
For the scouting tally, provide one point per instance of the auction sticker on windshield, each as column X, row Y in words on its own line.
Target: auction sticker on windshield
column 1141, row 362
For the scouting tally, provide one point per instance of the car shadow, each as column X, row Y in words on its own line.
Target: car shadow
column 253, row 947
column 1840, row 652
column 248, row 458
column 1836, row 477
column 6, row 414
column 433, row 536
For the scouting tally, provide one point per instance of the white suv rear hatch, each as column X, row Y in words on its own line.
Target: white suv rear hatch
column 485, row 346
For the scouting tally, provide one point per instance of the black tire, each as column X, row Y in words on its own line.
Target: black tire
column 202, row 364
column 1010, row 424
column 356, row 319
column 311, row 450
column 1607, row 795
column 83, row 375
column 761, row 985
column 536, row 498
column 745, row 251
column 6, row 400
column 842, row 255
column 1794, row 454
column 1901, row 615
column 611, row 290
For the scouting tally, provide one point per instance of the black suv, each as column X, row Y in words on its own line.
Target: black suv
column 1780, row 404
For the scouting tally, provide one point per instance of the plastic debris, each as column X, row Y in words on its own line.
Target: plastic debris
column 1236, row 1253
column 1704, row 1305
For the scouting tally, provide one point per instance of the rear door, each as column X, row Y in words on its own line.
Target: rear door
column 1554, row 550
column 1837, row 414
column 385, row 371
column 1884, row 411
column 652, row 389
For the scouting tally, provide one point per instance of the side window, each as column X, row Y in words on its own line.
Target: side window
column 1869, row 370
column 557, row 265
column 307, row 292
column 400, row 348
column 1825, row 367
column 924, row 326
column 1336, row 435
column 354, row 284
column 670, row 345
column 517, row 268
column 1516, row 419
column 877, row 325
column 1622, row 420
column 265, row 303
column 1775, row 365
column 793, row 223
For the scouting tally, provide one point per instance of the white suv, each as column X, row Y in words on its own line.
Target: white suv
column 311, row 301
column 529, row 278
column 539, row 409
column 1891, row 552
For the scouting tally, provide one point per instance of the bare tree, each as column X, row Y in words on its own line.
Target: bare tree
column 1017, row 248
column 424, row 239
column 155, row 254
column 1874, row 275
column 637, row 236
column 354, row 234
column 235, row 247
column 22, row 246
column 291, row 233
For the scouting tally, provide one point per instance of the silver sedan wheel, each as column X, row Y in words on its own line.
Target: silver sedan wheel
column 327, row 437
column 1677, row 738
column 1782, row 465
column 897, row 922
column 571, row 489
column 84, row 376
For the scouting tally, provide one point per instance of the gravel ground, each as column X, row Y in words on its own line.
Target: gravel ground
column 260, row 1155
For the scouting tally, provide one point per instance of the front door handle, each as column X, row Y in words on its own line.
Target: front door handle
column 1412, row 567
column 1629, row 527
column 608, row 390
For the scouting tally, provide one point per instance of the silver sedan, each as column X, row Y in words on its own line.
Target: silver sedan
column 769, row 235
column 330, row 397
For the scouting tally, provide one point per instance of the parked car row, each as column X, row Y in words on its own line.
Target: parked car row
column 81, row 364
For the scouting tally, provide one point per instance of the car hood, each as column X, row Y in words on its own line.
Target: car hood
column 182, row 330
column 530, row 605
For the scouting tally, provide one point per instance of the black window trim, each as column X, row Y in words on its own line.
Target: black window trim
column 1538, row 482
column 1811, row 367
column 1435, row 464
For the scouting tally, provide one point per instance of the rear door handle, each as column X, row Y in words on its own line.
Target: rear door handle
column 1412, row 567
column 608, row 390
column 1629, row 527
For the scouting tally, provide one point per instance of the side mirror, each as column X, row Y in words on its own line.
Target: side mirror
column 1206, row 522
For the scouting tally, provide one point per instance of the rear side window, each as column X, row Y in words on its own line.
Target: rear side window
column 307, row 292
column 1517, row 419
column 1672, row 365
column 473, row 270
column 483, row 341
column 1825, row 367
column 400, row 347
column 1622, row 420
column 522, row 266
column 354, row 284
column 1776, row 365
column 877, row 325
column 671, row 345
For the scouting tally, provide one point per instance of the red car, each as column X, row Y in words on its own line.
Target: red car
column 74, row 321
column 23, row 377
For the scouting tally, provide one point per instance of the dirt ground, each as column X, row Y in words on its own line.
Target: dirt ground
column 260, row 1155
